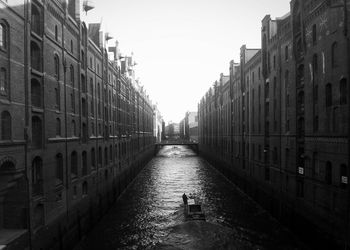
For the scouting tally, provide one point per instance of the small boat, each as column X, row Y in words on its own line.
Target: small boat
column 193, row 210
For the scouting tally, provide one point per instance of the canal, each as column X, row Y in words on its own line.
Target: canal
column 149, row 214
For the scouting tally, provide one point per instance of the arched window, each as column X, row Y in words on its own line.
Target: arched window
column 58, row 127
column 3, row 36
column 74, row 165
column 71, row 69
column 36, row 132
column 36, row 93
column 343, row 91
column 36, row 20
column 37, row 176
column 3, row 82
column 59, row 169
column 74, row 128
column 84, row 166
column 93, row 158
column 6, row 130
column 334, row 54
column 328, row 95
column 57, row 67
column 328, row 173
column 35, row 56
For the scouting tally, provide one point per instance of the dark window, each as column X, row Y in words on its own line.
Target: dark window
column 35, row 56
column 343, row 91
column 301, row 101
column 74, row 165
column 58, row 97
column 82, row 59
column 100, row 156
column 59, row 169
column 83, row 107
column 328, row 174
column 4, row 88
column 72, row 102
column 57, row 67
column 85, row 188
column 83, row 84
column 93, row 158
column 106, row 157
column 6, row 130
column 74, row 129
column 56, row 33
column 71, row 46
column 36, row 93
column 315, row 123
column 314, row 34
column 84, row 163
column 334, row 54
column 36, row 132
column 328, row 95
column 110, row 153
column 315, row 64
column 85, row 133
column 37, row 176
column 71, row 69
column 58, row 127
column 286, row 52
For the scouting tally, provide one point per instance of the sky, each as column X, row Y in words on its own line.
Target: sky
column 182, row 46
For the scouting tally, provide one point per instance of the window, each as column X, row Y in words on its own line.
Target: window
column 71, row 46
column 82, row 59
column 74, row 129
column 57, row 67
column 74, row 165
column 71, row 70
column 100, row 156
column 334, row 54
column 301, row 101
column 314, row 34
column 93, row 158
column 84, row 163
column 36, row 132
column 343, row 91
column 3, row 82
column 57, row 98
column 315, row 64
column 106, row 157
column 328, row 95
column 286, row 53
column 83, row 107
column 3, row 36
column 110, row 153
column 85, row 133
column 83, row 84
column 315, row 123
column 36, row 20
column 58, row 127
column 35, row 56
column 59, row 169
column 328, row 174
column 6, row 130
column 56, row 33
column 85, row 188
column 37, row 176
column 72, row 102
column 343, row 176
column 36, row 93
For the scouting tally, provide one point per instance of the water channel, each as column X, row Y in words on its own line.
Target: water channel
column 149, row 214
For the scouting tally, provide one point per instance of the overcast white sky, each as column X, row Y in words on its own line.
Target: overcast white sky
column 182, row 46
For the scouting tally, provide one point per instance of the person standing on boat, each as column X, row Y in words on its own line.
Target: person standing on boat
column 184, row 198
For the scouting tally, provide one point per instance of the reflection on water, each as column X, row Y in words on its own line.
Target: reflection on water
column 149, row 215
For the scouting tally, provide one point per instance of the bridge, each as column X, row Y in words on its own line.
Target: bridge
column 193, row 145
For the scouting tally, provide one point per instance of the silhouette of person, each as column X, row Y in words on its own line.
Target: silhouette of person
column 184, row 198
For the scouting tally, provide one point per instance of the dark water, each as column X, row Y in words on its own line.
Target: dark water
column 149, row 215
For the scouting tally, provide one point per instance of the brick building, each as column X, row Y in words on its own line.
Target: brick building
column 288, row 126
column 75, row 126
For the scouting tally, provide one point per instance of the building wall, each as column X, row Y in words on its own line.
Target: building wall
column 81, row 128
column 287, row 129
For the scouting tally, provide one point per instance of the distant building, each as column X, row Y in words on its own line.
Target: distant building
column 189, row 126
